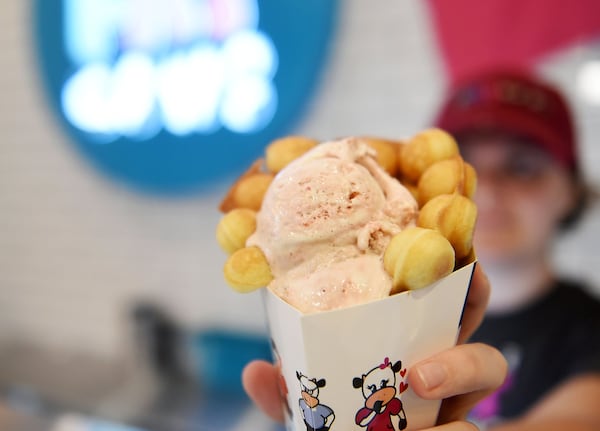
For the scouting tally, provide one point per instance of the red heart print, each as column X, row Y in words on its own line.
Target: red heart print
column 403, row 387
column 403, row 372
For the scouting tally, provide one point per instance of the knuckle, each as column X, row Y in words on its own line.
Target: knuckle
column 470, row 426
column 484, row 360
column 497, row 360
column 472, row 358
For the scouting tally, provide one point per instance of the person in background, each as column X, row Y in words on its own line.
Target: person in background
column 518, row 133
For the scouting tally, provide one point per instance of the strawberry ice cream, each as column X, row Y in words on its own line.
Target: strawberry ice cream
column 325, row 223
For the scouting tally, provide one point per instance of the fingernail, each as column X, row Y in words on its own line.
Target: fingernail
column 432, row 374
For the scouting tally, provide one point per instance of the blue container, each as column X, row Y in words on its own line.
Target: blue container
column 221, row 355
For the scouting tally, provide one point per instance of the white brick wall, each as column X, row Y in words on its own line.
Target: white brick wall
column 76, row 249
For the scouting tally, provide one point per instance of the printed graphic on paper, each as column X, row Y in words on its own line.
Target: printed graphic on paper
column 382, row 408
column 317, row 416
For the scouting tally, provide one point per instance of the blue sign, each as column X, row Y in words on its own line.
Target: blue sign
column 169, row 96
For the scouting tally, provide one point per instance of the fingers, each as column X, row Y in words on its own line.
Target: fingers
column 261, row 382
column 461, row 376
column 462, row 369
column 476, row 304
column 454, row 426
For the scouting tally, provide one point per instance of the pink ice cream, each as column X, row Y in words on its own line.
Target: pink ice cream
column 325, row 223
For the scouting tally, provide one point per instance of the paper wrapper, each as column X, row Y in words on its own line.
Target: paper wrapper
column 347, row 369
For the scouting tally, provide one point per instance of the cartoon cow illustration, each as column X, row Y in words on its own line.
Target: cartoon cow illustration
column 382, row 410
column 317, row 416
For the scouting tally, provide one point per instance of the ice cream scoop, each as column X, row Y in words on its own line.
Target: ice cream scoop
column 325, row 222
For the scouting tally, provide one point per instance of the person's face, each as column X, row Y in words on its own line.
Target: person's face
column 522, row 195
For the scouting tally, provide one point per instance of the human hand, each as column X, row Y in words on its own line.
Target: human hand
column 465, row 374
column 460, row 376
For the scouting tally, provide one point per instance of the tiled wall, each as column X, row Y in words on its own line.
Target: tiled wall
column 76, row 249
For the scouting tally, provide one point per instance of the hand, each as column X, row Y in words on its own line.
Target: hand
column 461, row 376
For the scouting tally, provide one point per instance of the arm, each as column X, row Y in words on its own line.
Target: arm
column 329, row 420
column 573, row 406
column 364, row 416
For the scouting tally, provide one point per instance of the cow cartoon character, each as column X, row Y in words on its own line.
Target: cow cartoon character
column 317, row 416
column 382, row 410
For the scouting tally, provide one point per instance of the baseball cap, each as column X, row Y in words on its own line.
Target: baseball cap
column 514, row 102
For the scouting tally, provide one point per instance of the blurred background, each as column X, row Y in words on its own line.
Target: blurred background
column 123, row 123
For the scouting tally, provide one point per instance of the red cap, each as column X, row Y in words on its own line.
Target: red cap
column 513, row 102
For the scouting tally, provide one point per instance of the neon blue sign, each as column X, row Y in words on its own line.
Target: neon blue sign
column 169, row 95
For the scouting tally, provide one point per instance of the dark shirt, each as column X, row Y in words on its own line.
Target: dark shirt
column 545, row 343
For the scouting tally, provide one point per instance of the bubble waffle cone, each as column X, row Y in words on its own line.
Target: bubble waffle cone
column 234, row 228
column 248, row 191
column 418, row 257
column 387, row 153
column 247, row 269
column 428, row 167
column 281, row 152
column 452, row 175
column 454, row 216
column 423, row 150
